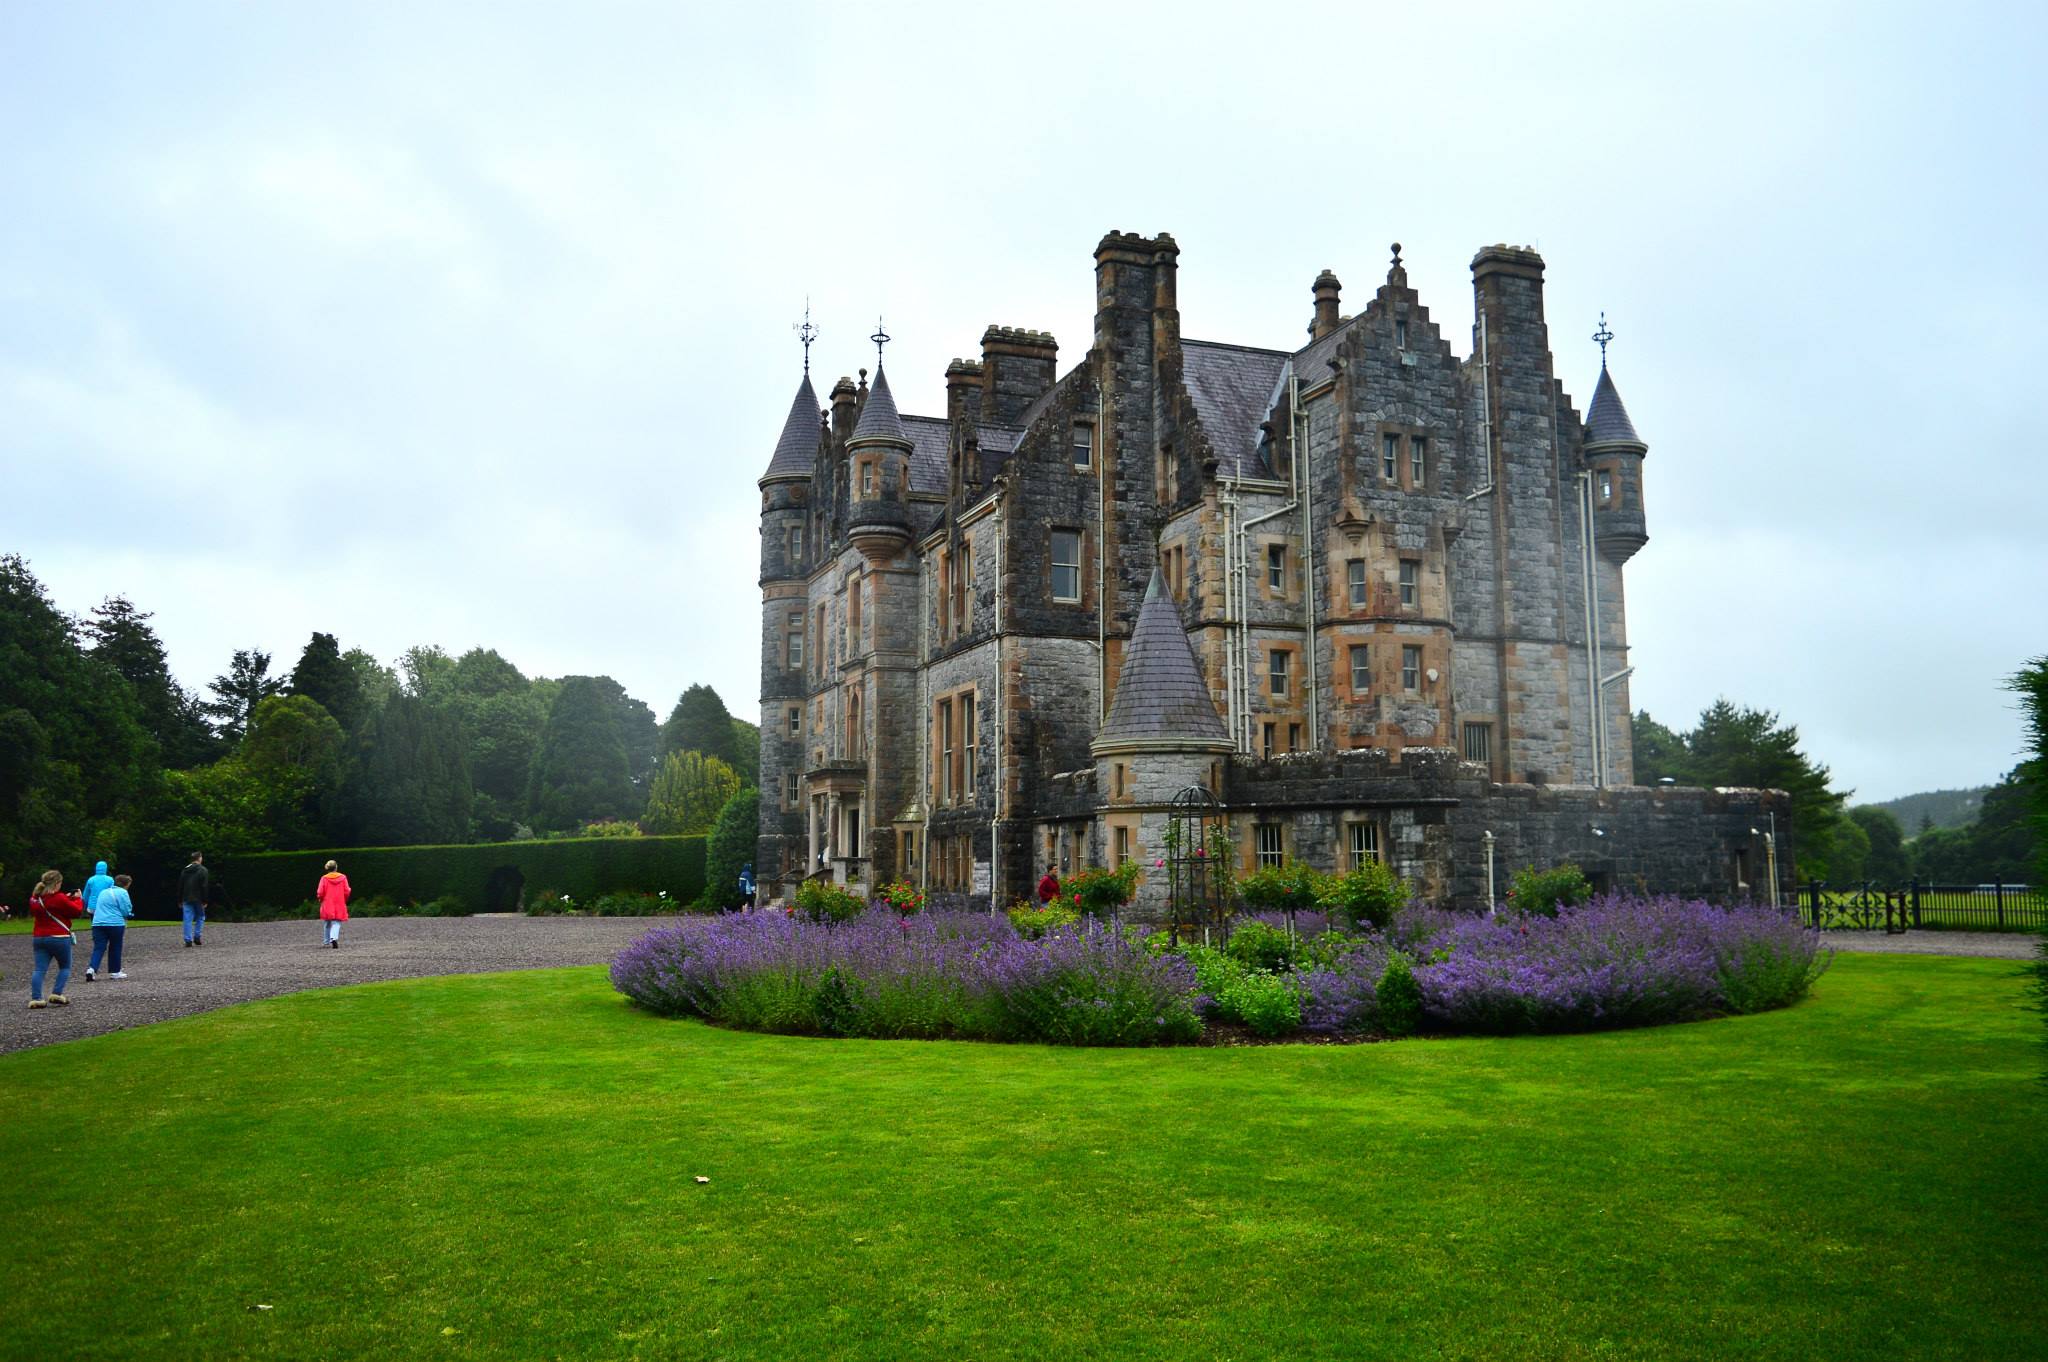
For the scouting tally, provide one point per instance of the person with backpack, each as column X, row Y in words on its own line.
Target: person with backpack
column 332, row 891
column 50, row 942
column 110, row 910
column 192, row 886
column 747, row 885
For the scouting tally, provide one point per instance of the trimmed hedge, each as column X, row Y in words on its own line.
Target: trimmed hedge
column 484, row 877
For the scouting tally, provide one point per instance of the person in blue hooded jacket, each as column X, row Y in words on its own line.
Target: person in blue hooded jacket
column 99, row 880
column 111, row 910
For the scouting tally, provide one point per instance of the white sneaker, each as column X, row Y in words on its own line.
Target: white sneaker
column 35, row 1002
column 118, row 974
column 88, row 974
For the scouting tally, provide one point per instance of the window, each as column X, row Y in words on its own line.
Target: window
column 852, row 614
column 789, row 789
column 1266, row 740
column 1606, row 487
column 796, row 543
column 819, row 660
column 856, row 732
column 796, row 721
column 941, row 778
column 1354, row 575
column 1276, row 568
column 1294, row 737
column 1084, row 448
column 867, row 479
column 906, row 853
column 1116, row 771
column 1276, row 672
column 1271, row 845
column 1361, row 669
column 1390, row 456
column 1400, row 333
column 1411, row 573
column 1418, row 461
column 1411, row 666
column 963, row 586
column 1123, row 847
column 968, row 748
column 793, row 638
column 1364, row 843
column 1479, row 743
column 1066, row 565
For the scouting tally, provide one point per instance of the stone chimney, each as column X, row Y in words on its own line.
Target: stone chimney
column 1018, row 367
column 1326, row 319
column 963, row 391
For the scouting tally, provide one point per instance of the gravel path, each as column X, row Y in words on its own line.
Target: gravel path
column 1997, row 945
column 241, row 961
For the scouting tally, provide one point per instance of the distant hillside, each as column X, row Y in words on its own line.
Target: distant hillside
column 1945, row 808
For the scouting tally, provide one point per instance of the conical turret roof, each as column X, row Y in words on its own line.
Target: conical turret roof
column 1160, row 694
column 878, row 419
column 1606, row 419
column 797, row 450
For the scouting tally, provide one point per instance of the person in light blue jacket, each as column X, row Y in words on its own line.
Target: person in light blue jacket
column 99, row 880
column 111, row 909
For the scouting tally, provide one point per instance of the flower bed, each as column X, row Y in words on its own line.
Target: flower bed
column 1611, row 963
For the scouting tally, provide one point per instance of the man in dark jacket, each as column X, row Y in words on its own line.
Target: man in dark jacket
column 192, row 884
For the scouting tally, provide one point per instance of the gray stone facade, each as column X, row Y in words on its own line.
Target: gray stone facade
column 1397, row 579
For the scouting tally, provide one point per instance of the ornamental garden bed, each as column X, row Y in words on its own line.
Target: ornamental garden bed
column 1614, row 962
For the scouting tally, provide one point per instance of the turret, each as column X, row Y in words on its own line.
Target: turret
column 1614, row 455
column 786, row 552
column 878, row 476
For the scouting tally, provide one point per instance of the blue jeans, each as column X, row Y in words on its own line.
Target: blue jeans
column 49, row 948
column 106, row 942
column 195, row 920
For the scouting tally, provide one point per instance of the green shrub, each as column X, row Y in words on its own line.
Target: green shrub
column 825, row 901
column 1270, row 1004
column 1260, row 946
column 733, row 840
column 1367, row 896
column 837, row 1009
column 482, row 877
column 1543, row 892
column 1033, row 921
column 1097, row 891
column 610, row 827
column 1290, row 886
column 1399, row 997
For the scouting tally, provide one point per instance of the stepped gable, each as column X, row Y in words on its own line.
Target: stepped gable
column 1160, row 693
column 797, row 450
column 1607, row 419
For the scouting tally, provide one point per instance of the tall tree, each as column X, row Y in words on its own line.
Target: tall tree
column 2030, row 683
column 699, row 723
column 119, row 635
column 746, row 739
column 426, row 668
column 375, row 682
column 1887, row 860
column 580, row 774
column 326, row 678
column 730, row 846
column 246, row 684
column 1659, row 752
column 408, row 782
column 638, row 732
column 687, row 792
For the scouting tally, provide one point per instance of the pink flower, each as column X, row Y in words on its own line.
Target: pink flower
column 1077, row 898
column 1157, row 864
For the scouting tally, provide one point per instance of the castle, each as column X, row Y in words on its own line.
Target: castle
column 1365, row 596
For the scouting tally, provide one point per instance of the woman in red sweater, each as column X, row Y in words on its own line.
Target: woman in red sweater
column 52, row 910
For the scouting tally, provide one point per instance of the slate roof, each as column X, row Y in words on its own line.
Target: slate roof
column 1312, row 361
column 797, row 450
column 930, row 444
column 1232, row 389
column 1159, row 691
column 1606, row 419
column 878, row 418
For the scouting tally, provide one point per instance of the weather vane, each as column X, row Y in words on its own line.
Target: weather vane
column 806, row 333
column 1602, row 336
column 880, row 338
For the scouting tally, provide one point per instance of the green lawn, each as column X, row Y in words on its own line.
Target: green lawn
column 502, row 1166
column 21, row 924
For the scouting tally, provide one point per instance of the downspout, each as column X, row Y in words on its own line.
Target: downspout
column 1101, row 547
column 1585, row 480
column 995, row 840
column 924, row 709
column 1497, row 518
column 1298, row 436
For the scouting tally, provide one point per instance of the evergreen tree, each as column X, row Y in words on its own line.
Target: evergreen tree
column 747, row 740
column 638, row 732
column 581, row 772
column 426, row 668
column 1659, row 752
column 732, row 844
column 326, row 678
column 375, row 682
column 407, row 782
column 1749, row 748
column 246, row 684
column 700, row 723
column 119, row 635
column 687, row 792
column 2030, row 683
column 1886, row 861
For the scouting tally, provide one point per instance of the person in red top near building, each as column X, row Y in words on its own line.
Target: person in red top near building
column 1049, row 886
column 52, row 910
column 333, row 894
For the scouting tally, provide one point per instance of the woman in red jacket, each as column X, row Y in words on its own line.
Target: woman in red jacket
column 52, row 910
column 332, row 892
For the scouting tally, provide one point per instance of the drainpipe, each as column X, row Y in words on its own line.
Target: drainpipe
column 1585, row 480
column 924, row 708
column 1297, row 431
column 995, row 840
column 1102, row 544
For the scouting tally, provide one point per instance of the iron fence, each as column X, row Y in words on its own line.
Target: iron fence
column 1993, row 906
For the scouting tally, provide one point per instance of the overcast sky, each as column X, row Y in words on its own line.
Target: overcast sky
column 471, row 325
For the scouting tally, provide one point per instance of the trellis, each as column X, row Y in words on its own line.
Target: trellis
column 1197, row 859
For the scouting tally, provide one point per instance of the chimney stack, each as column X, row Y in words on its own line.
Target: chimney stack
column 1326, row 320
